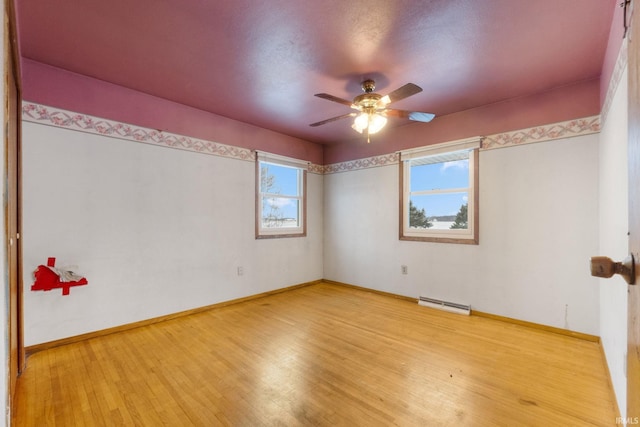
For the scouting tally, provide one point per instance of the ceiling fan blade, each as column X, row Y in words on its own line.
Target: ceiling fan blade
column 334, row 99
column 333, row 119
column 400, row 93
column 417, row 116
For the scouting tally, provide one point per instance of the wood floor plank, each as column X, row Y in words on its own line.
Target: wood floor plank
column 319, row 355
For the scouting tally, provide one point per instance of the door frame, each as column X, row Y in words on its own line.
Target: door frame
column 13, row 166
column 633, row 152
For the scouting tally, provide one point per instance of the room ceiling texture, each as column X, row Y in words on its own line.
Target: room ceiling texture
column 261, row 62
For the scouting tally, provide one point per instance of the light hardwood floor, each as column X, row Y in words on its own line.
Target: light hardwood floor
column 320, row 355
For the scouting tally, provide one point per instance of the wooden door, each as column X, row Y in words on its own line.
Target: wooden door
column 12, row 203
column 633, row 316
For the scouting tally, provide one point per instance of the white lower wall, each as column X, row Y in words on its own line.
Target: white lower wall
column 538, row 230
column 155, row 231
column 614, row 242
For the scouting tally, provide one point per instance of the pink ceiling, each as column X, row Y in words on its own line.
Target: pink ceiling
column 261, row 61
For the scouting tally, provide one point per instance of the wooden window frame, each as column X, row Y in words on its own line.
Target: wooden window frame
column 471, row 236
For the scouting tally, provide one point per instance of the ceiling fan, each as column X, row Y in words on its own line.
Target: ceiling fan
column 372, row 111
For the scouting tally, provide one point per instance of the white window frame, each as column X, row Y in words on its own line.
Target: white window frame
column 464, row 236
column 275, row 232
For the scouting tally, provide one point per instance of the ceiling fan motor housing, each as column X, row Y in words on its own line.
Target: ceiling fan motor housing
column 368, row 86
column 367, row 100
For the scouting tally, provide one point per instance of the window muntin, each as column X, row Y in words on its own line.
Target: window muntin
column 280, row 197
column 439, row 193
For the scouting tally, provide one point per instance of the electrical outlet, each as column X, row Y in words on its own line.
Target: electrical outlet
column 240, row 271
column 405, row 269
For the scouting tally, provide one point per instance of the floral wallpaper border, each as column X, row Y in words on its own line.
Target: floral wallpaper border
column 51, row 116
column 36, row 113
column 550, row 132
column 369, row 162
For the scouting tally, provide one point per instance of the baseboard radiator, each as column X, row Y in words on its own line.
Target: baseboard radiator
column 445, row 305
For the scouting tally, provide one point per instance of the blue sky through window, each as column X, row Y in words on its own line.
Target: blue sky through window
column 440, row 176
column 286, row 179
column 286, row 182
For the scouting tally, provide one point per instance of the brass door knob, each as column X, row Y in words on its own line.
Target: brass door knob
column 602, row 266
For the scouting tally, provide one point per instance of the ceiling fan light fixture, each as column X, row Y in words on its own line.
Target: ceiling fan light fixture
column 361, row 122
column 371, row 121
column 376, row 123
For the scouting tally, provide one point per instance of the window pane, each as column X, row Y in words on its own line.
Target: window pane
column 452, row 174
column 276, row 179
column 280, row 212
column 439, row 211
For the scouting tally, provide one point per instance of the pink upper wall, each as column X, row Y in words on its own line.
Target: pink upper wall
column 55, row 87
